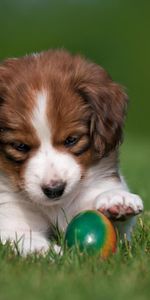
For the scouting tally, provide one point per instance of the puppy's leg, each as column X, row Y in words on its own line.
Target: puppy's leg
column 23, row 225
column 25, row 243
column 120, row 206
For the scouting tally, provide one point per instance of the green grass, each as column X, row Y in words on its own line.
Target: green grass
column 125, row 275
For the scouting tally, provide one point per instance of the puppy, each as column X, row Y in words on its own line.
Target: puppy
column 61, row 120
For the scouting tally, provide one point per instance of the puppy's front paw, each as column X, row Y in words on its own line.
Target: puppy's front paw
column 118, row 205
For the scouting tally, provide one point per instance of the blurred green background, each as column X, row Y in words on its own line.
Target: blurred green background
column 113, row 33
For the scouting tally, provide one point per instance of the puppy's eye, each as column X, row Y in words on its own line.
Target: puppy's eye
column 71, row 141
column 20, row 147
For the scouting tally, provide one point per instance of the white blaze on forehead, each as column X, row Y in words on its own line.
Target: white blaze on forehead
column 39, row 117
column 48, row 163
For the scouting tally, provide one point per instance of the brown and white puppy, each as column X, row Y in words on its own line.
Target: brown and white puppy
column 61, row 120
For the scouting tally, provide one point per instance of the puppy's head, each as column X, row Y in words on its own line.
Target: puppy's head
column 59, row 115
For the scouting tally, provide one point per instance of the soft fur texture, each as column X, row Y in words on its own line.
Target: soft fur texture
column 61, row 120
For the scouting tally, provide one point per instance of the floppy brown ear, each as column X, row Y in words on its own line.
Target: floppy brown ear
column 6, row 79
column 2, row 90
column 108, row 103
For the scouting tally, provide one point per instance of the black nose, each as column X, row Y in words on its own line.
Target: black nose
column 55, row 190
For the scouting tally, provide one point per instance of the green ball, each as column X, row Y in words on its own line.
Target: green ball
column 91, row 232
column 86, row 232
